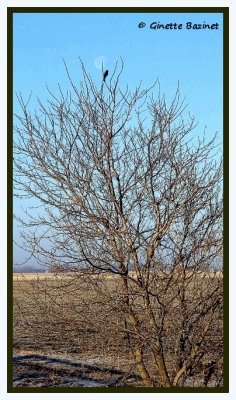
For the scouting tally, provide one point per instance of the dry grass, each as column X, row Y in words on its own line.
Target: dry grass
column 42, row 275
column 55, row 315
column 49, row 275
column 75, row 318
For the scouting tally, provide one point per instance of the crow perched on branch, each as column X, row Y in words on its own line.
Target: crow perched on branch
column 105, row 75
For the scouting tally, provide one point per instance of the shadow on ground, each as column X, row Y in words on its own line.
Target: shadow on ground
column 45, row 371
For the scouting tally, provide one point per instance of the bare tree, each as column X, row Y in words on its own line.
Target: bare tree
column 124, row 187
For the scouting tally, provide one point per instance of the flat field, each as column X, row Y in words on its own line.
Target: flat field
column 56, row 337
column 67, row 331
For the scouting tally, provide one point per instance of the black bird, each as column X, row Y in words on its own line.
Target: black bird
column 105, row 75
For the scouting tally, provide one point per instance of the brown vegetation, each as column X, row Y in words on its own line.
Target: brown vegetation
column 82, row 317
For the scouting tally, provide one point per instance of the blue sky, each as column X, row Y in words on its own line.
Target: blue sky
column 192, row 57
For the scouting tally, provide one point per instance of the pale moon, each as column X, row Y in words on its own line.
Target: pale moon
column 100, row 61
